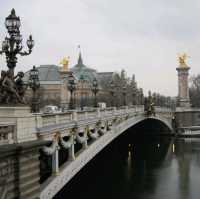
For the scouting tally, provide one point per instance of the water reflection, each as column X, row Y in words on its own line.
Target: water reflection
column 141, row 168
column 173, row 148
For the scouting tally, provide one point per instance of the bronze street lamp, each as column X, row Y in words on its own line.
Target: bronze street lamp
column 112, row 92
column 134, row 94
column 72, row 88
column 34, row 84
column 141, row 96
column 95, row 90
column 82, row 84
column 124, row 95
column 11, row 47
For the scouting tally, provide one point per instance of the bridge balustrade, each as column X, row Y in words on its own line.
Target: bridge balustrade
column 28, row 126
column 163, row 109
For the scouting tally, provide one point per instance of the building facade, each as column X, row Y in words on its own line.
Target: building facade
column 54, row 83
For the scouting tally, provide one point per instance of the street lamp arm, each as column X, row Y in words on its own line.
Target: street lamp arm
column 25, row 53
column 18, row 49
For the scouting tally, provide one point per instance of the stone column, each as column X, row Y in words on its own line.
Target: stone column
column 71, row 150
column 85, row 145
column 183, row 89
column 55, row 161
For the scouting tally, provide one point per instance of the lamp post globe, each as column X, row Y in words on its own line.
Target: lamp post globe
column 12, row 23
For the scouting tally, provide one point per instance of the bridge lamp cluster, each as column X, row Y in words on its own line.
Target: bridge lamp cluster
column 72, row 87
column 12, row 45
column 34, row 84
column 95, row 90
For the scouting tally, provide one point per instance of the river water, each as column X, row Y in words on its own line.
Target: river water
column 144, row 167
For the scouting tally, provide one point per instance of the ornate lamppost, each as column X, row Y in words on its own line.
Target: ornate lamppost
column 124, row 95
column 72, row 87
column 134, row 94
column 34, row 84
column 141, row 96
column 11, row 47
column 133, row 90
column 82, row 85
column 95, row 90
column 112, row 92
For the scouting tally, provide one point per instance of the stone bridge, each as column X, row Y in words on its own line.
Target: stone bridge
column 65, row 142
column 93, row 134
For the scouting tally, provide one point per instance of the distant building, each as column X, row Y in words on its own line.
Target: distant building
column 53, row 81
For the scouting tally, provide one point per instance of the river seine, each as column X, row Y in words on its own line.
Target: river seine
column 145, row 167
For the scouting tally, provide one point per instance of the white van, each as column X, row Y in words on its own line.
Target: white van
column 102, row 105
column 51, row 109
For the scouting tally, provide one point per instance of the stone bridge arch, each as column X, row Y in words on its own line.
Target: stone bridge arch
column 157, row 122
column 70, row 169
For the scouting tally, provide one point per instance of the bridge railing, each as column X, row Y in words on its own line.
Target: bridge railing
column 163, row 109
column 48, row 124
column 50, row 119
column 58, row 118
column 7, row 133
column 28, row 126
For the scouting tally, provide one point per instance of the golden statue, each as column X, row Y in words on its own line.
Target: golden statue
column 65, row 63
column 182, row 59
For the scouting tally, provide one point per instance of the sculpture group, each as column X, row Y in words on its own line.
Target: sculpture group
column 12, row 89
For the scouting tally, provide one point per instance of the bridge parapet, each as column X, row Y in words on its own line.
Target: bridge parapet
column 167, row 113
column 81, row 120
column 187, row 121
column 30, row 127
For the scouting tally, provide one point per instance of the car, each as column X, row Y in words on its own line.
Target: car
column 51, row 109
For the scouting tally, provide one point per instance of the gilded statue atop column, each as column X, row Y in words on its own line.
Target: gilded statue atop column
column 182, row 60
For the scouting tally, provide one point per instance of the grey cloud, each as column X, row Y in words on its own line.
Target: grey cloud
column 142, row 36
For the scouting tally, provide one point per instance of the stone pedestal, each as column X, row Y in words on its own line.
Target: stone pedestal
column 64, row 90
column 23, row 120
column 183, row 89
column 187, row 117
column 14, row 111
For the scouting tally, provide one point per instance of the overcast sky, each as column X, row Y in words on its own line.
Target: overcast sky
column 141, row 36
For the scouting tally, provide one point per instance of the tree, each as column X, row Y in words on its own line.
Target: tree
column 194, row 91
